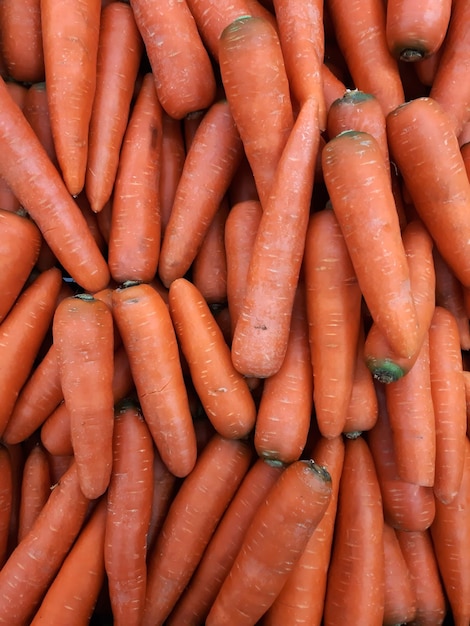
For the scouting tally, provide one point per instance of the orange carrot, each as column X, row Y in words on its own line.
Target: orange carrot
column 119, row 54
column 171, row 166
column 165, row 485
column 36, row 111
column 262, row 330
column 223, row 392
column 148, row 337
column 243, row 185
column 6, row 502
column 35, row 488
column 83, row 335
column 17, row 454
column 181, row 66
column 333, row 87
column 191, row 520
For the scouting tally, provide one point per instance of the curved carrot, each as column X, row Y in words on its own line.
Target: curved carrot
column 129, row 503
column 224, row 393
column 261, row 333
column 83, row 335
column 135, row 233
column 70, row 43
column 210, row 164
column 35, row 488
column 352, row 163
column 181, row 66
column 191, row 520
column 255, row 81
column 22, row 333
column 148, row 337
column 119, row 54
column 6, row 502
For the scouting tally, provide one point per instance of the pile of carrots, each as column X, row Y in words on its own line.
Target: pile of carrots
column 234, row 312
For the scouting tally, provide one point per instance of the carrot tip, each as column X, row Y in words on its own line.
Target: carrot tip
column 385, row 371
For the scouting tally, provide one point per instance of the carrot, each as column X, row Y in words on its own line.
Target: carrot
column 6, row 502
column 380, row 358
column 22, row 40
column 289, row 514
column 134, row 238
column 22, row 333
column 302, row 596
column 333, row 87
column 181, row 66
column 119, row 54
column 416, row 30
column 301, row 34
column 243, row 185
column 74, row 591
column 20, row 243
column 36, row 111
column 148, row 337
column 224, row 393
column 191, row 520
column 198, row 597
column 450, row 533
column 34, row 562
column 245, row 46
column 165, row 485
column 449, row 402
column 421, row 132
column 210, row 163
column 334, row 318
column 83, row 335
column 285, row 406
column 129, row 502
column 17, row 454
column 70, row 42
column 35, row 488
column 171, row 166
column 353, row 162
column 360, row 33
column 262, row 330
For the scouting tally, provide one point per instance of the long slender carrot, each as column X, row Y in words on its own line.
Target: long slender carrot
column 190, row 523
column 223, row 391
column 35, row 488
column 34, row 562
column 171, row 166
column 6, row 502
column 261, row 333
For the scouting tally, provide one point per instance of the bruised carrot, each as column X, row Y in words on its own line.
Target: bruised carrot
column 334, row 316
column 190, row 523
column 119, row 54
column 286, row 519
column 262, row 329
column 83, row 335
column 70, row 42
column 35, row 488
column 6, row 502
column 223, row 392
column 245, row 46
column 149, row 339
column 184, row 78
column 134, row 238
column 359, row 188
column 129, row 503
column 31, row 567
column 74, row 591
column 22, row 333
column 171, row 166
column 210, row 163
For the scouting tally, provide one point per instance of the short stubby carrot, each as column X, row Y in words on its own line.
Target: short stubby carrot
column 359, row 187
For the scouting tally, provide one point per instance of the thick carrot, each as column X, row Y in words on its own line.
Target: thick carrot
column 171, row 166
column 286, row 519
column 359, row 187
column 35, row 488
column 334, row 319
column 21, row 335
column 73, row 594
column 20, row 243
column 255, row 81
column 222, row 390
column 210, row 164
column 149, row 339
column 83, row 336
column 262, row 330
column 134, row 237
column 34, row 562
column 119, row 54
column 449, row 402
column 198, row 597
column 302, row 597
column 129, row 503
column 191, row 520
column 6, row 502
column 420, row 133
column 181, row 66
column 70, row 43
column 359, row 28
